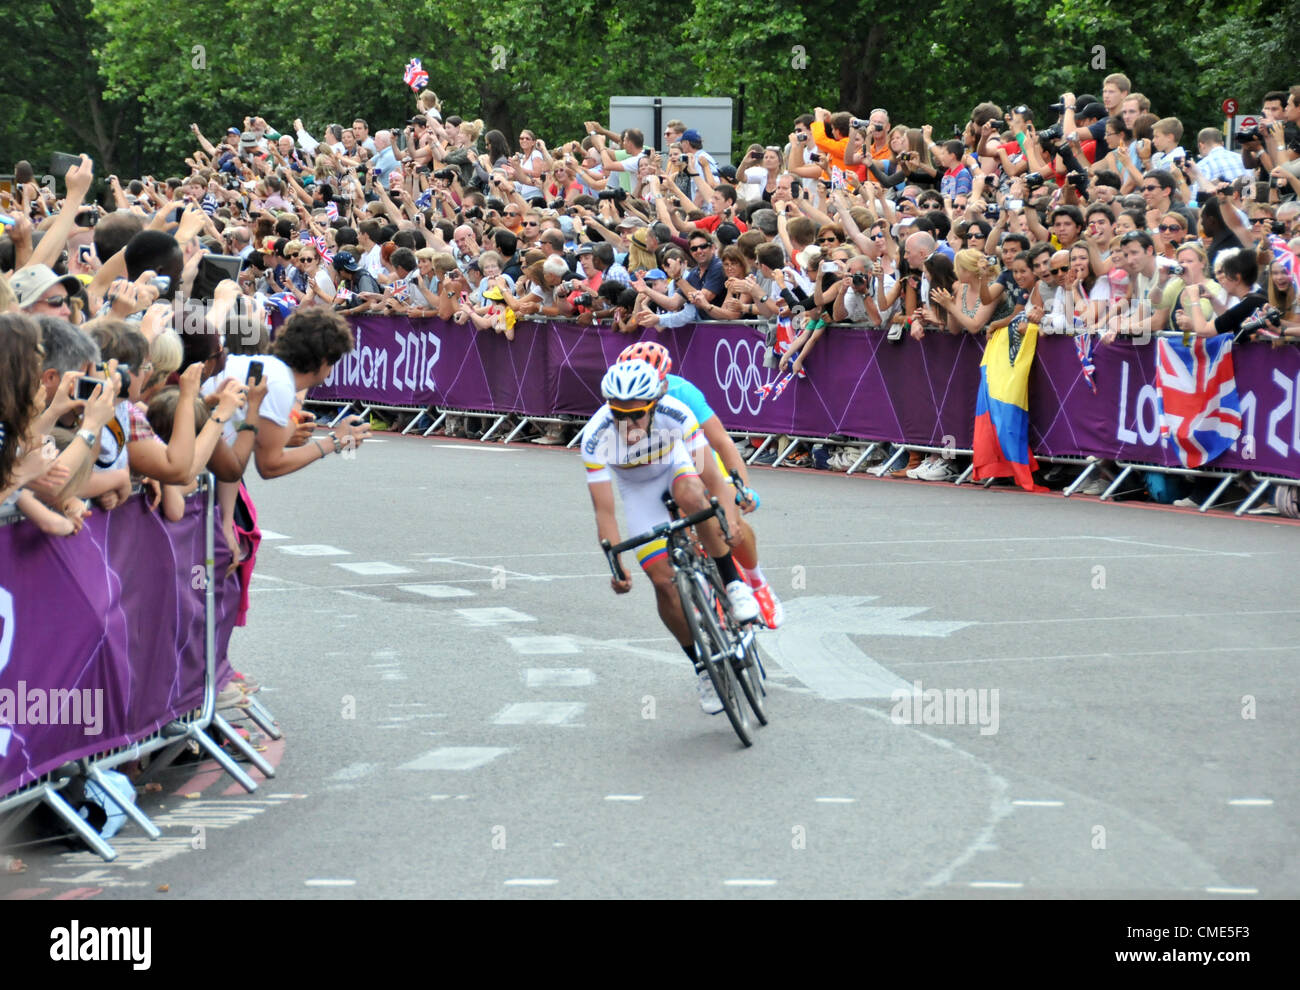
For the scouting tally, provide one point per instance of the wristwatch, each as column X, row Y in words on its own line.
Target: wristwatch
column 90, row 438
column 246, row 426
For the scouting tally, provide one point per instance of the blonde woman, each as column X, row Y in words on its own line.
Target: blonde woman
column 1208, row 295
column 966, row 311
column 165, row 354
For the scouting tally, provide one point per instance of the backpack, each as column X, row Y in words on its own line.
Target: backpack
column 1164, row 488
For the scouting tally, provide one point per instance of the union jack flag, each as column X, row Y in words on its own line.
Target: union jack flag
column 415, row 76
column 331, row 210
column 1284, row 256
column 1200, row 413
column 326, row 255
column 1084, row 345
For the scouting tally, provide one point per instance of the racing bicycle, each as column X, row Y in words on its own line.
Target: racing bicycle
column 723, row 646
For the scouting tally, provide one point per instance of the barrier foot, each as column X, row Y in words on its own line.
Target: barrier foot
column 789, row 449
column 574, row 442
column 1252, row 498
column 79, row 825
column 343, row 413
column 437, row 423
column 128, row 808
column 492, row 429
column 761, row 447
column 1080, row 481
column 1114, row 485
column 224, row 759
column 244, row 746
column 887, row 465
column 871, row 448
column 1214, row 495
column 970, row 469
column 516, row 431
column 414, row 424
column 259, row 713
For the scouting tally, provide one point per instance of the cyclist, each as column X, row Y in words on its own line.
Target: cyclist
column 729, row 459
column 646, row 440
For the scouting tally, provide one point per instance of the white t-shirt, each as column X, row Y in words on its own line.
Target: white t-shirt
column 525, row 190
column 113, row 439
column 280, row 391
column 324, row 282
column 372, row 262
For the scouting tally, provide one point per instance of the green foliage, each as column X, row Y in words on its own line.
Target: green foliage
column 111, row 76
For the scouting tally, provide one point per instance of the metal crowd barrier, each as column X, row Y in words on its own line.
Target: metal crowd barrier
column 173, row 736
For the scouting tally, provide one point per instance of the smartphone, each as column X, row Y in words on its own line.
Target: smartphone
column 254, row 373
column 86, row 386
column 61, row 162
column 162, row 283
column 1015, row 204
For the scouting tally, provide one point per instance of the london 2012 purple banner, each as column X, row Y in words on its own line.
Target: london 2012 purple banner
column 406, row 362
column 858, row 384
column 101, row 634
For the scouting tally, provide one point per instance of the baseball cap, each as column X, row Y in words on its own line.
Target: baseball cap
column 693, row 136
column 420, row 119
column 727, row 233
column 232, row 130
column 656, row 275
column 32, row 282
column 727, row 172
column 1093, row 111
column 494, row 293
column 347, row 262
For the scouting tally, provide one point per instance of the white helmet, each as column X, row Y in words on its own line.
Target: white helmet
column 629, row 381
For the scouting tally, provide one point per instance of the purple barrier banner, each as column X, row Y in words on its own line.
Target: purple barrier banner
column 404, row 362
column 858, row 384
column 101, row 634
column 1122, row 420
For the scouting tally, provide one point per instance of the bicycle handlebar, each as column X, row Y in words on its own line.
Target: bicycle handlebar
column 743, row 490
column 714, row 511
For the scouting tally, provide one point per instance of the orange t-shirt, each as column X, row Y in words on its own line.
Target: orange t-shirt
column 832, row 146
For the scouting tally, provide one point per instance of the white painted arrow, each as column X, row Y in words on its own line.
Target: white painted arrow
column 814, row 643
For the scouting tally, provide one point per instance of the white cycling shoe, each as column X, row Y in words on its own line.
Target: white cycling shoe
column 743, row 604
column 709, row 700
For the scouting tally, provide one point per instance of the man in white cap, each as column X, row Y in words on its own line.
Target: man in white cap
column 43, row 292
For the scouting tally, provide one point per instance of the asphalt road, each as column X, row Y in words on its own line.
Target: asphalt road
column 471, row 713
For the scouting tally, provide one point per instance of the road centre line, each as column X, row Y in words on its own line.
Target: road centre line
column 1089, row 656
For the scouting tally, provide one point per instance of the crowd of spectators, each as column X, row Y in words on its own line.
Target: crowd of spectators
column 1102, row 222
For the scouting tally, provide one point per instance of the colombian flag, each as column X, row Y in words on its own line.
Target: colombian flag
column 1002, row 410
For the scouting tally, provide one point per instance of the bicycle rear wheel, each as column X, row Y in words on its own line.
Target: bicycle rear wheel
column 712, row 648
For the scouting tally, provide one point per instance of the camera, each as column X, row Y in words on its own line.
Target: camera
column 859, row 279
column 583, row 300
column 1271, row 317
column 1033, row 180
column 1176, row 271
column 1079, row 180
column 123, row 377
column 445, row 174
column 1053, row 133
column 617, row 195
column 991, row 211
column 1255, row 133
column 801, row 137
column 1058, row 107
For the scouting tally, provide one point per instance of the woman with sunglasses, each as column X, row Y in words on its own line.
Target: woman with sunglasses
column 1191, row 288
column 1170, row 232
column 320, row 289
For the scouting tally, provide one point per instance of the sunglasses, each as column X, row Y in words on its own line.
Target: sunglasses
column 531, row 223
column 828, row 240
column 621, row 415
column 56, row 301
column 877, row 237
column 700, row 247
column 1058, row 271
column 1151, row 188
column 1257, row 222
column 1172, row 228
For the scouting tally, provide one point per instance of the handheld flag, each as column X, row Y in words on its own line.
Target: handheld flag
column 415, row 76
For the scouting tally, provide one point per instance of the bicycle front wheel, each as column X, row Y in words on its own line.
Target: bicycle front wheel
column 749, row 673
column 712, row 647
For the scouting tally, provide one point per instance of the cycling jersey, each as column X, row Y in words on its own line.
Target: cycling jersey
column 604, row 446
column 683, row 391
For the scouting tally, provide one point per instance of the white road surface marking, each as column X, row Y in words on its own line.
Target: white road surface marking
column 814, row 643
column 314, row 550
column 559, row 677
column 624, row 797
column 532, row 882
column 835, row 800
column 995, row 885
column 327, row 882
column 540, row 713
column 543, row 644
column 436, row 590
column 749, row 883
column 374, row 568
column 493, row 616
column 270, row 534
column 1039, row 804
column 1232, row 890
column 1251, row 802
column 455, row 758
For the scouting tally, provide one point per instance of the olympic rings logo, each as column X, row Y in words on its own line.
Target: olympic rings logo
column 739, row 377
